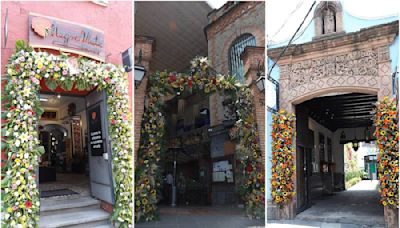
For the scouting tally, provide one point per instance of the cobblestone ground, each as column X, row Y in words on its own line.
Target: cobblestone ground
column 355, row 208
column 204, row 217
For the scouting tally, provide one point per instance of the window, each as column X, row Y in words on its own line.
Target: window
column 235, row 63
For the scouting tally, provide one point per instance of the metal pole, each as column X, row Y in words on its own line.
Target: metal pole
column 173, row 192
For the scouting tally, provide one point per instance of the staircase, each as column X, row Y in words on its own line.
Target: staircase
column 79, row 212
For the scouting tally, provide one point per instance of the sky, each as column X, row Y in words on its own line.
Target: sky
column 284, row 16
column 215, row 4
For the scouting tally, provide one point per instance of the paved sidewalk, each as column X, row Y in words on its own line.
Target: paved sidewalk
column 202, row 217
column 358, row 205
column 312, row 224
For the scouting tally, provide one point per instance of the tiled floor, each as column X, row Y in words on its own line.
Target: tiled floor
column 204, row 217
column 76, row 182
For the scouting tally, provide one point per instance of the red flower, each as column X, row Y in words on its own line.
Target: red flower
column 190, row 83
column 171, row 77
column 113, row 121
column 28, row 204
column 12, row 108
column 107, row 79
column 214, row 81
column 17, row 68
column 249, row 168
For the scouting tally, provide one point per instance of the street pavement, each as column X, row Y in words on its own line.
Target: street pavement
column 357, row 207
column 202, row 217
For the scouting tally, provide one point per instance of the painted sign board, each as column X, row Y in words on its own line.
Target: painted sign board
column 95, row 131
column 53, row 33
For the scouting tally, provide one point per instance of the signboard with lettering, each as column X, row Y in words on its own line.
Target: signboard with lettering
column 52, row 33
column 95, row 131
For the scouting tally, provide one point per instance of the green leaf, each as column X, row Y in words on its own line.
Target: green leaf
column 51, row 84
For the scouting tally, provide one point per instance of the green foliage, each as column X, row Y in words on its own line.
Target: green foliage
column 353, row 174
column 22, row 45
column 352, row 182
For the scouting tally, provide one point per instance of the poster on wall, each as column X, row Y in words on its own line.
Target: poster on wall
column 95, row 131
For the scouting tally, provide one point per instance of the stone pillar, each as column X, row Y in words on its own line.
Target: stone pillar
column 252, row 56
column 391, row 216
column 146, row 44
column 384, row 73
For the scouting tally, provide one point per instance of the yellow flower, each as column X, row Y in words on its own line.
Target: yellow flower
column 56, row 75
column 9, row 210
column 40, row 65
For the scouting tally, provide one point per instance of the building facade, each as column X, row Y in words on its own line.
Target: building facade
column 77, row 149
column 198, row 125
column 330, row 66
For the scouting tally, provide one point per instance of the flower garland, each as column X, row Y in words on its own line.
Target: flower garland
column 387, row 140
column 283, row 164
column 21, row 203
column 249, row 155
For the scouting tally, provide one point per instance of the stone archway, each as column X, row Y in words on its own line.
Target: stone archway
column 342, row 63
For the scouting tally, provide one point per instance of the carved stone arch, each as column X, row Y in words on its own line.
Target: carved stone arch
column 319, row 14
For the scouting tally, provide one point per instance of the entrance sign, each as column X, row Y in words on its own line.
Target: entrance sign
column 52, row 33
column 95, row 132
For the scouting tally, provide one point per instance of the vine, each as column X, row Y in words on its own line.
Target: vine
column 250, row 182
column 20, row 195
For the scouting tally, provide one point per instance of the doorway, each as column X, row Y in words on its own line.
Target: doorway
column 324, row 125
column 73, row 133
column 64, row 166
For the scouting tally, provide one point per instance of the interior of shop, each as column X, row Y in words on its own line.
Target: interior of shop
column 63, row 168
column 199, row 158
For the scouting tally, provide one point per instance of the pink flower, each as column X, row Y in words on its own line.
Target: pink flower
column 65, row 72
column 113, row 121
column 35, row 80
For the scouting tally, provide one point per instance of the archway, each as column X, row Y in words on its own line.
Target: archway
column 22, row 112
column 248, row 156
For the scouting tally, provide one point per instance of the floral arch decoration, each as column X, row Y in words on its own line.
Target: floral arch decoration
column 26, row 67
column 249, row 161
column 387, row 140
column 283, row 157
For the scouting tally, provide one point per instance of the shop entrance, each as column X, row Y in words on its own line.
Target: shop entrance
column 73, row 133
column 199, row 162
column 334, row 134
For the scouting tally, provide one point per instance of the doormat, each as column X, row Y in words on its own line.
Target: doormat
column 57, row 192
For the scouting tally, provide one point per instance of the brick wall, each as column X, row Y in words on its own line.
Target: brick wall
column 225, row 25
column 252, row 57
column 146, row 44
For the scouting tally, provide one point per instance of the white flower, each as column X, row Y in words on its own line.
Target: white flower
column 26, row 155
column 17, row 143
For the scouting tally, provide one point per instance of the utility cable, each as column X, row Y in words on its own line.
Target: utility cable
column 291, row 39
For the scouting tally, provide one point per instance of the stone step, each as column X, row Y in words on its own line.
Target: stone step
column 54, row 206
column 80, row 218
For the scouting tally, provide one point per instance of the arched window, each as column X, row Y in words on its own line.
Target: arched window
column 236, row 49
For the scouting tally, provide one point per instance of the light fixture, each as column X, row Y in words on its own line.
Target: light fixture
column 355, row 144
column 43, row 99
column 260, row 83
column 59, row 96
column 139, row 75
column 342, row 136
column 140, row 71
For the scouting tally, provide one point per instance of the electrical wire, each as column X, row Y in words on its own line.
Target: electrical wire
column 298, row 6
column 291, row 39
